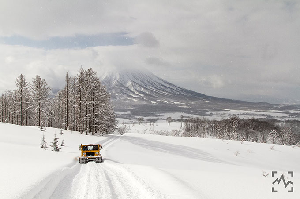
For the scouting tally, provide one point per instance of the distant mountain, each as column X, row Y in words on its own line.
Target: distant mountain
column 143, row 93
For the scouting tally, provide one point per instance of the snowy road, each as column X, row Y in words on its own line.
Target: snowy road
column 109, row 179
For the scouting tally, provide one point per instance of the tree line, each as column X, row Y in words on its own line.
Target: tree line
column 254, row 130
column 82, row 105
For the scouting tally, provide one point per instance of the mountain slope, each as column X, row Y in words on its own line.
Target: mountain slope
column 145, row 86
column 146, row 94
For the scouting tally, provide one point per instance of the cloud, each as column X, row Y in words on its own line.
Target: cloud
column 42, row 19
column 213, row 81
column 147, row 39
column 9, row 59
column 77, row 41
column 235, row 49
column 157, row 61
column 50, row 65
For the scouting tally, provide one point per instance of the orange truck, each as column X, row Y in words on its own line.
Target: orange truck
column 89, row 153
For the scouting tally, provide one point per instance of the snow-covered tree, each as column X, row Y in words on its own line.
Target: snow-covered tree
column 11, row 107
column 84, row 105
column 23, row 100
column 181, row 120
column 62, row 143
column 40, row 96
column 4, row 107
column 55, row 145
column 44, row 143
column 140, row 120
column 73, row 115
column 122, row 129
column 288, row 137
column 79, row 99
column 169, row 120
column 66, row 97
column 99, row 114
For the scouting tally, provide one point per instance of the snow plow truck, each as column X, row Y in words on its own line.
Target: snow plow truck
column 89, row 153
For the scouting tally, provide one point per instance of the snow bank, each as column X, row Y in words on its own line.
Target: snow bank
column 24, row 164
column 143, row 166
column 208, row 168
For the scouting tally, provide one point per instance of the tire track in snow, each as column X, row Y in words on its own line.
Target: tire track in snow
column 90, row 183
column 90, row 180
column 58, row 184
column 110, row 180
column 108, row 141
column 128, row 185
column 94, row 180
column 55, row 185
column 173, row 149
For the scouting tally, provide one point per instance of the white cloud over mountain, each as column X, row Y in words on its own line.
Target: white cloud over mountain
column 238, row 49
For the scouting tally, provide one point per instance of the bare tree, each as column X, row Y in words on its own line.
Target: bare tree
column 23, row 97
column 140, row 120
column 181, row 120
column 84, row 105
column 169, row 120
column 40, row 95
column 67, row 89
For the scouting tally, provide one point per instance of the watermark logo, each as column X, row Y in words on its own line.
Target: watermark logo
column 284, row 180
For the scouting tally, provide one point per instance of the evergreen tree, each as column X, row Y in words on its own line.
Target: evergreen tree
column 44, row 143
column 55, row 145
column 62, row 143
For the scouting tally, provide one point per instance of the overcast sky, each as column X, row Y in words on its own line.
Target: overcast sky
column 246, row 50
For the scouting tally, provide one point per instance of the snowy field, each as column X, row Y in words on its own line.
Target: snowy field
column 244, row 114
column 226, row 113
column 142, row 165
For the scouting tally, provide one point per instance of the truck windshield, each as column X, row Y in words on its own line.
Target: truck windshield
column 90, row 147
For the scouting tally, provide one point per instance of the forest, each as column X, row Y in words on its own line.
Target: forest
column 253, row 130
column 82, row 105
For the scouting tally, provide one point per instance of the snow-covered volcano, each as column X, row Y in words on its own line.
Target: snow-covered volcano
column 144, row 94
column 144, row 86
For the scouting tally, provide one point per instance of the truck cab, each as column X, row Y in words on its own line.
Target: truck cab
column 89, row 153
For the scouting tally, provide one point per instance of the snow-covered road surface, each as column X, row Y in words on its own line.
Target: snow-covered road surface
column 106, row 180
column 109, row 180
